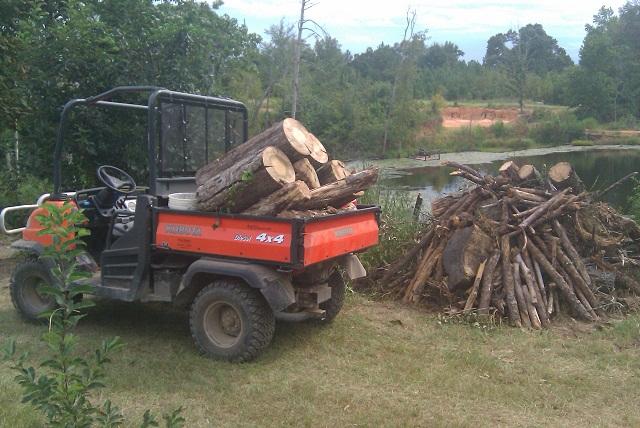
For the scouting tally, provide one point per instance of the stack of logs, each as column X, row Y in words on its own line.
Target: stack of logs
column 284, row 171
column 521, row 245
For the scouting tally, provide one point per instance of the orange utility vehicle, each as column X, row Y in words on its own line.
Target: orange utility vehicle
column 235, row 273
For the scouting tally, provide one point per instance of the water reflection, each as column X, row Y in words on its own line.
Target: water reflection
column 598, row 169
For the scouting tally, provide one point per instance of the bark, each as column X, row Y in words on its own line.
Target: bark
column 463, row 254
column 529, row 173
column 563, row 176
column 289, row 135
column 341, row 192
column 332, row 171
column 534, row 292
column 523, row 307
column 409, row 256
column 565, row 288
column 509, row 170
column 487, row 283
column 280, row 200
column 246, row 182
column 474, row 289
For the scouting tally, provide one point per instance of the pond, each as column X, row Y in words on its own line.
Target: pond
column 598, row 167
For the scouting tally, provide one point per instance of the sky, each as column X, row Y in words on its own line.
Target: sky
column 358, row 24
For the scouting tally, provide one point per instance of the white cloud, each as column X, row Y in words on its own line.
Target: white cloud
column 366, row 22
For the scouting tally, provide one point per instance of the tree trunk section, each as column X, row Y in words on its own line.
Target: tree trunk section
column 289, row 135
column 280, row 200
column 305, row 172
column 562, row 175
column 318, row 154
column 341, row 192
column 332, row 171
column 510, row 169
column 466, row 249
column 529, row 172
column 246, row 182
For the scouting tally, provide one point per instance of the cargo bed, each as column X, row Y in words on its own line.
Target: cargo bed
column 293, row 243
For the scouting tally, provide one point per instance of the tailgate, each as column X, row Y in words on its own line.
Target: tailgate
column 333, row 236
column 244, row 237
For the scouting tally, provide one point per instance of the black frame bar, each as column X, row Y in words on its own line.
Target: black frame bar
column 156, row 97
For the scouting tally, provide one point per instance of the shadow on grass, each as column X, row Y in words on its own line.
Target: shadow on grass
column 165, row 326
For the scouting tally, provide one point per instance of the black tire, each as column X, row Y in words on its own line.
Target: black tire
column 231, row 321
column 26, row 279
column 333, row 306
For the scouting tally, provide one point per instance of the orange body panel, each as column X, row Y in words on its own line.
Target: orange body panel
column 225, row 236
column 331, row 237
column 30, row 233
column 289, row 242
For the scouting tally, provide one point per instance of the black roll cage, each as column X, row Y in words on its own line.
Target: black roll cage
column 156, row 96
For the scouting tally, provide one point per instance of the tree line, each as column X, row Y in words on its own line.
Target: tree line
column 366, row 104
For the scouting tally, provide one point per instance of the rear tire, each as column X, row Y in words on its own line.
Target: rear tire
column 231, row 321
column 25, row 281
column 333, row 306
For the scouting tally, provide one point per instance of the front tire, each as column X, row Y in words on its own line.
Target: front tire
column 231, row 321
column 26, row 280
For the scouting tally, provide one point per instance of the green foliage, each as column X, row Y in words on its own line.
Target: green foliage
column 398, row 226
column 561, row 129
column 634, row 202
column 61, row 390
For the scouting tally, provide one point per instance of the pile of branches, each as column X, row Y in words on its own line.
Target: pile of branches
column 522, row 246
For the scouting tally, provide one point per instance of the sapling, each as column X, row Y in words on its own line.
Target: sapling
column 61, row 389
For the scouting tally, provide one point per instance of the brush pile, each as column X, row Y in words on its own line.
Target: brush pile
column 522, row 246
column 284, row 171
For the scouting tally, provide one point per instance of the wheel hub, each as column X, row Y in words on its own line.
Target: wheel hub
column 223, row 324
column 230, row 321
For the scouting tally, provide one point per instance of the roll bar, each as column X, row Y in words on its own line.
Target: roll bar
column 157, row 94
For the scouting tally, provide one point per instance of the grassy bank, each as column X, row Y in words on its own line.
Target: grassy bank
column 379, row 364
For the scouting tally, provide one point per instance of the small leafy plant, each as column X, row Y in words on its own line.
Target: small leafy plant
column 61, row 389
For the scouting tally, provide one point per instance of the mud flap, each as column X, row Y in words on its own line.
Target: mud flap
column 352, row 265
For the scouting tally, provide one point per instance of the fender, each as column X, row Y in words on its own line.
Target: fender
column 276, row 287
column 32, row 247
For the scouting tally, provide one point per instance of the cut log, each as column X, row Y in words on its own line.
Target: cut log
column 565, row 288
column 332, row 171
column 246, row 182
column 289, row 135
column 510, row 170
column 523, row 306
column 562, row 176
column 474, row 289
column 465, row 250
column 305, row 172
column 529, row 172
column 487, row 283
column 409, row 256
column 341, row 192
column 280, row 200
column 534, row 292
column 318, row 155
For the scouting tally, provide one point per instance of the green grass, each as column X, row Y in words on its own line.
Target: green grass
column 379, row 364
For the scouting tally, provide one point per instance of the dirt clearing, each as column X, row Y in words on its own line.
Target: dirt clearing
column 458, row 117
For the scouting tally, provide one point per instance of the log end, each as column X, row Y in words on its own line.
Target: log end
column 278, row 166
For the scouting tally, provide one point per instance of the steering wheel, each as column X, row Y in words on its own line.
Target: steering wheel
column 116, row 179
